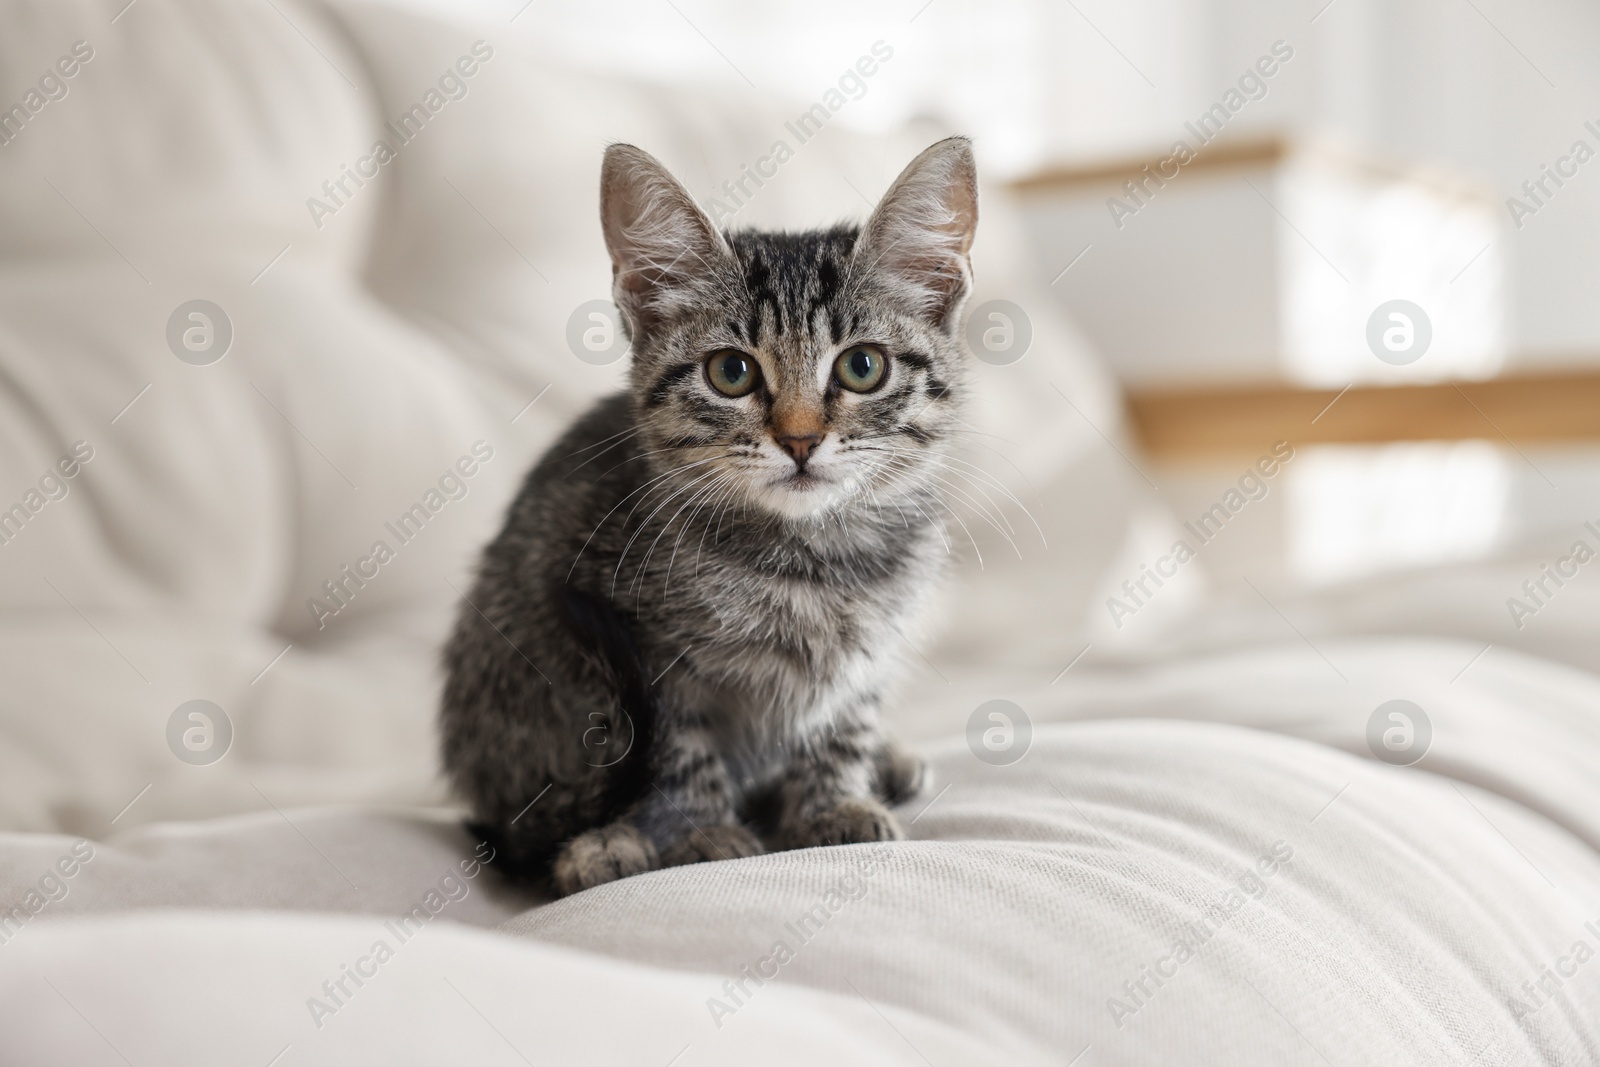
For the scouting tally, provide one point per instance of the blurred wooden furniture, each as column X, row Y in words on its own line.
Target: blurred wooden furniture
column 1206, row 420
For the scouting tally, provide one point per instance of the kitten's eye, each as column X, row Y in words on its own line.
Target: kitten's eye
column 861, row 369
column 732, row 373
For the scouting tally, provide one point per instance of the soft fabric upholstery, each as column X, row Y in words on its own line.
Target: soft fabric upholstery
column 1408, row 908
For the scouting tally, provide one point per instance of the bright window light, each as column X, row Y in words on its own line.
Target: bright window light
column 1358, row 240
column 1356, row 511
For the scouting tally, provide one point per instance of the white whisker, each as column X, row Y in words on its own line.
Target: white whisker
column 644, row 525
column 621, row 502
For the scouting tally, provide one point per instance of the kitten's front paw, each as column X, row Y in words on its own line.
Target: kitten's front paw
column 853, row 820
column 713, row 843
column 901, row 775
column 596, row 857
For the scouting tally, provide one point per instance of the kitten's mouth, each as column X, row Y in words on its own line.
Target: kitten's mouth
column 800, row 481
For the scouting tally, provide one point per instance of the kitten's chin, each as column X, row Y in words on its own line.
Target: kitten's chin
column 800, row 496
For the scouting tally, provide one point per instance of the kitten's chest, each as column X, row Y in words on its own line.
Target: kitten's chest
column 816, row 627
column 797, row 645
column 814, row 608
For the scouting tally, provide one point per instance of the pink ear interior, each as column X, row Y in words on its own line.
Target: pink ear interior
column 920, row 235
column 663, row 248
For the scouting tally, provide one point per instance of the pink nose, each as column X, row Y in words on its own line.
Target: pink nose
column 800, row 446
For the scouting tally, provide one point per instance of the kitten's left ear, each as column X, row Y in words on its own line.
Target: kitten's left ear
column 918, row 238
column 664, row 251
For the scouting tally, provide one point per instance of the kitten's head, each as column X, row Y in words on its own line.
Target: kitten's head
column 794, row 372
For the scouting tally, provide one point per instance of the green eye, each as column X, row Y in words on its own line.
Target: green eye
column 861, row 369
column 732, row 373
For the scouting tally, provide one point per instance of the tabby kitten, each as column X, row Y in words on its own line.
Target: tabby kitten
column 676, row 648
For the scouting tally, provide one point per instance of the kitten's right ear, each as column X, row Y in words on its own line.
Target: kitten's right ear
column 664, row 250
